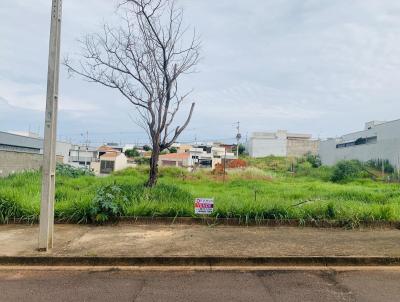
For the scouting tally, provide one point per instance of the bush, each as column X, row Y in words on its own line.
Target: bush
column 108, row 203
column 378, row 163
column 132, row 153
column 314, row 160
column 346, row 170
column 143, row 161
column 173, row 150
column 70, row 171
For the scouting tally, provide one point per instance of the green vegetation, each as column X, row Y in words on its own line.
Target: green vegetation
column 267, row 189
column 173, row 150
column 345, row 171
column 69, row 171
column 378, row 164
column 132, row 153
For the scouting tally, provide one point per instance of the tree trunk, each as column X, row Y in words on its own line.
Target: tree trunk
column 153, row 175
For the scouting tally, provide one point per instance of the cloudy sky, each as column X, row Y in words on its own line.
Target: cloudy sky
column 317, row 66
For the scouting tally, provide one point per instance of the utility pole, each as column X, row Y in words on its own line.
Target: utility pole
column 46, row 226
column 238, row 137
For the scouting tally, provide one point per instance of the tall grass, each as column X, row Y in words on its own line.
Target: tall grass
column 252, row 193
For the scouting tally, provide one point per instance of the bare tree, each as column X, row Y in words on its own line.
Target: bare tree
column 143, row 59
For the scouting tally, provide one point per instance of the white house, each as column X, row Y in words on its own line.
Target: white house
column 281, row 143
column 198, row 156
column 378, row 140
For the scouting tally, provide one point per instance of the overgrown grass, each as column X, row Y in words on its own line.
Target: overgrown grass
column 253, row 193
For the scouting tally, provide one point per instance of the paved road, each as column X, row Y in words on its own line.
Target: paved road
column 273, row 285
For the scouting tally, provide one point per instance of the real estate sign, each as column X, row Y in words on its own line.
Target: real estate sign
column 203, row 206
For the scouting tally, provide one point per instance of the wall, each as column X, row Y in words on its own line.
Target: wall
column 300, row 147
column 62, row 149
column 121, row 162
column 11, row 162
column 386, row 147
column 261, row 145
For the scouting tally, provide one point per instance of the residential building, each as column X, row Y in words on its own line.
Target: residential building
column 281, row 143
column 83, row 156
column 378, row 140
column 182, row 148
column 200, row 156
column 183, row 160
column 115, row 146
column 110, row 160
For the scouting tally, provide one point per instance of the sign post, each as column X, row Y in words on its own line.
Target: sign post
column 203, row 206
column 50, row 132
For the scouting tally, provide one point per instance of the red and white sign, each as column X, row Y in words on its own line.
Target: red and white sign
column 203, row 206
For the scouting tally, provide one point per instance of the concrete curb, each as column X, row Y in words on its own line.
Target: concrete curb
column 237, row 222
column 197, row 261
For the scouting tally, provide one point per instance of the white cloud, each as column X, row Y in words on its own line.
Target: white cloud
column 297, row 64
column 32, row 96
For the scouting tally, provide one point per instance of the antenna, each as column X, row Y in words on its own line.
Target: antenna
column 238, row 137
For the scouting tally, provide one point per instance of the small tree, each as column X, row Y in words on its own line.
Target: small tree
column 132, row 153
column 173, row 150
column 242, row 149
column 144, row 60
column 146, row 148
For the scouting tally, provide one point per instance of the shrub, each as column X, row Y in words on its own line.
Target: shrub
column 108, row 203
column 173, row 150
column 314, row 160
column 70, row 171
column 143, row 161
column 378, row 163
column 346, row 170
column 132, row 153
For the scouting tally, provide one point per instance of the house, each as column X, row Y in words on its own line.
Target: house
column 281, row 143
column 82, row 156
column 183, row 160
column 25, row 152
column 200, row 156
column 109, row 160
column 182, row 148
column 378, row 140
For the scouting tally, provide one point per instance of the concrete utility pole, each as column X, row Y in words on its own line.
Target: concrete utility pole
column 50, row 132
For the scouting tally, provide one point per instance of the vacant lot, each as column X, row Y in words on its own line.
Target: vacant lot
column 265, row 190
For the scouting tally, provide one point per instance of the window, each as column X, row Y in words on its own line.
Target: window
column 358, row 142
column 19, row 149
column 106, row 166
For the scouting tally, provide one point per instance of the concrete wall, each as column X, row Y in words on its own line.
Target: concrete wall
column 387, row 145
column 265, row 144
column 62, row 149
column 300, row 147
column 12, row 162
column 121, row 162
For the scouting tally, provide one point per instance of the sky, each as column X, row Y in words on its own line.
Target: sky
column 308, row 66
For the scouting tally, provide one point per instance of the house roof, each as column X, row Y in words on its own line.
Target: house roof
column 175, row 156
column 106, row 149
column 111, row 154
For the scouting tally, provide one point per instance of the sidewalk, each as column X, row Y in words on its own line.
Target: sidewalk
column 126, row 240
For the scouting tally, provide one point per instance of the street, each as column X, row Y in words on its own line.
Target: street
column 271, row 285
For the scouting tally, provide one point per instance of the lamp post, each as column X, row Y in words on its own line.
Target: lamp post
column 50, row 132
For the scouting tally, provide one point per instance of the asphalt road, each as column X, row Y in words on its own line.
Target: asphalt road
column 272, row 285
